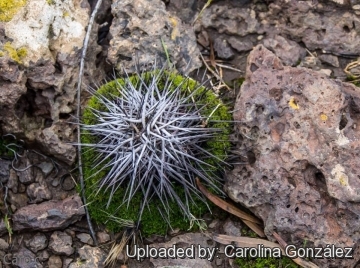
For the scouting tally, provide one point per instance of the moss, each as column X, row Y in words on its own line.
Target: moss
column 8, row 8
column 265, row 262
column 152, row 221
column 7, row 151
column 246, row 231
column 15, row 54
column 353, row 79
column 262, row 262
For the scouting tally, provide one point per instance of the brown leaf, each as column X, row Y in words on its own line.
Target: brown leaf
column 249, row 220
column 298, row 261
column 241, row 241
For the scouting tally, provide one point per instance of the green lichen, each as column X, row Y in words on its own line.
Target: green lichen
column 16, row 55
column 152, row 221
column 50, row 2
column 8, row 8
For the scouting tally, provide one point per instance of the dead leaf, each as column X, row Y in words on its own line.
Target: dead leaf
column 249, row 220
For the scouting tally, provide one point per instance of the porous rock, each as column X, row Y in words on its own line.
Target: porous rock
column 50, row 215
column 288, row 51
column 61, row 243
column 142, row 30
column 318, row 26
column 299, row 133
column 37, row 242
column 89, row 257
column 37, row 91
column 233, row 21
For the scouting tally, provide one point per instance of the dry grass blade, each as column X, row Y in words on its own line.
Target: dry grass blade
column 348, row 70
column 118, row 248
column 214, row 73
column 298, row 261
column 249, row 220
column 245, row 241
column 202, row 10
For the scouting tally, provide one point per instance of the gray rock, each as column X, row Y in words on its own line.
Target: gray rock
column 37, row 242
column 55, row 182
column 43, row 255
column 9, row 71
column 90, row 257
column 18, row 200
column 137, row 30
column 25, row 171
column 288, row 51
column 232, row 21
column 185, row 241
column 4, row 170
column 21, row 188
column 50, row 215
column 102, row 237
column 302, row 129
column 231, row 228
column 61, row 243
column 223, row 49
column 330, row 59
column 13, row 181
column 55, row 262
column 3, row 229
column 3, row 244
column 24, row 258
column 66, row 262
column 38, row 192
column 68, row 183
column 85, row 238
column 34, row 96
column 46, row 167
column 323, row 27
column 57, row 139
column 241, row 44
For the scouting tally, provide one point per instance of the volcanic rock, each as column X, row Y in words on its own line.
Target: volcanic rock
column 298, row 131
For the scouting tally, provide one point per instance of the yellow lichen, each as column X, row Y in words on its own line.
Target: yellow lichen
column 50, row 2
column 343, row 180
column 175, row 31
column 323, row 117
column 8, row 8
column 2, row 53
column 15, row 54
column 66, row 14
column 293, row 104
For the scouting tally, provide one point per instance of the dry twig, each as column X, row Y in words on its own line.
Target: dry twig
column 81, row 72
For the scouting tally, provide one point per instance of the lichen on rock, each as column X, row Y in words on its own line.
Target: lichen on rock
column 302, row 129
column 8, row 8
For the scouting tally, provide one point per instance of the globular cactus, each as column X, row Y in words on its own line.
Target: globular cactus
column 152, row 131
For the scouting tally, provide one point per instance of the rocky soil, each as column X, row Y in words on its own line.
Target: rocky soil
column 297, row 131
